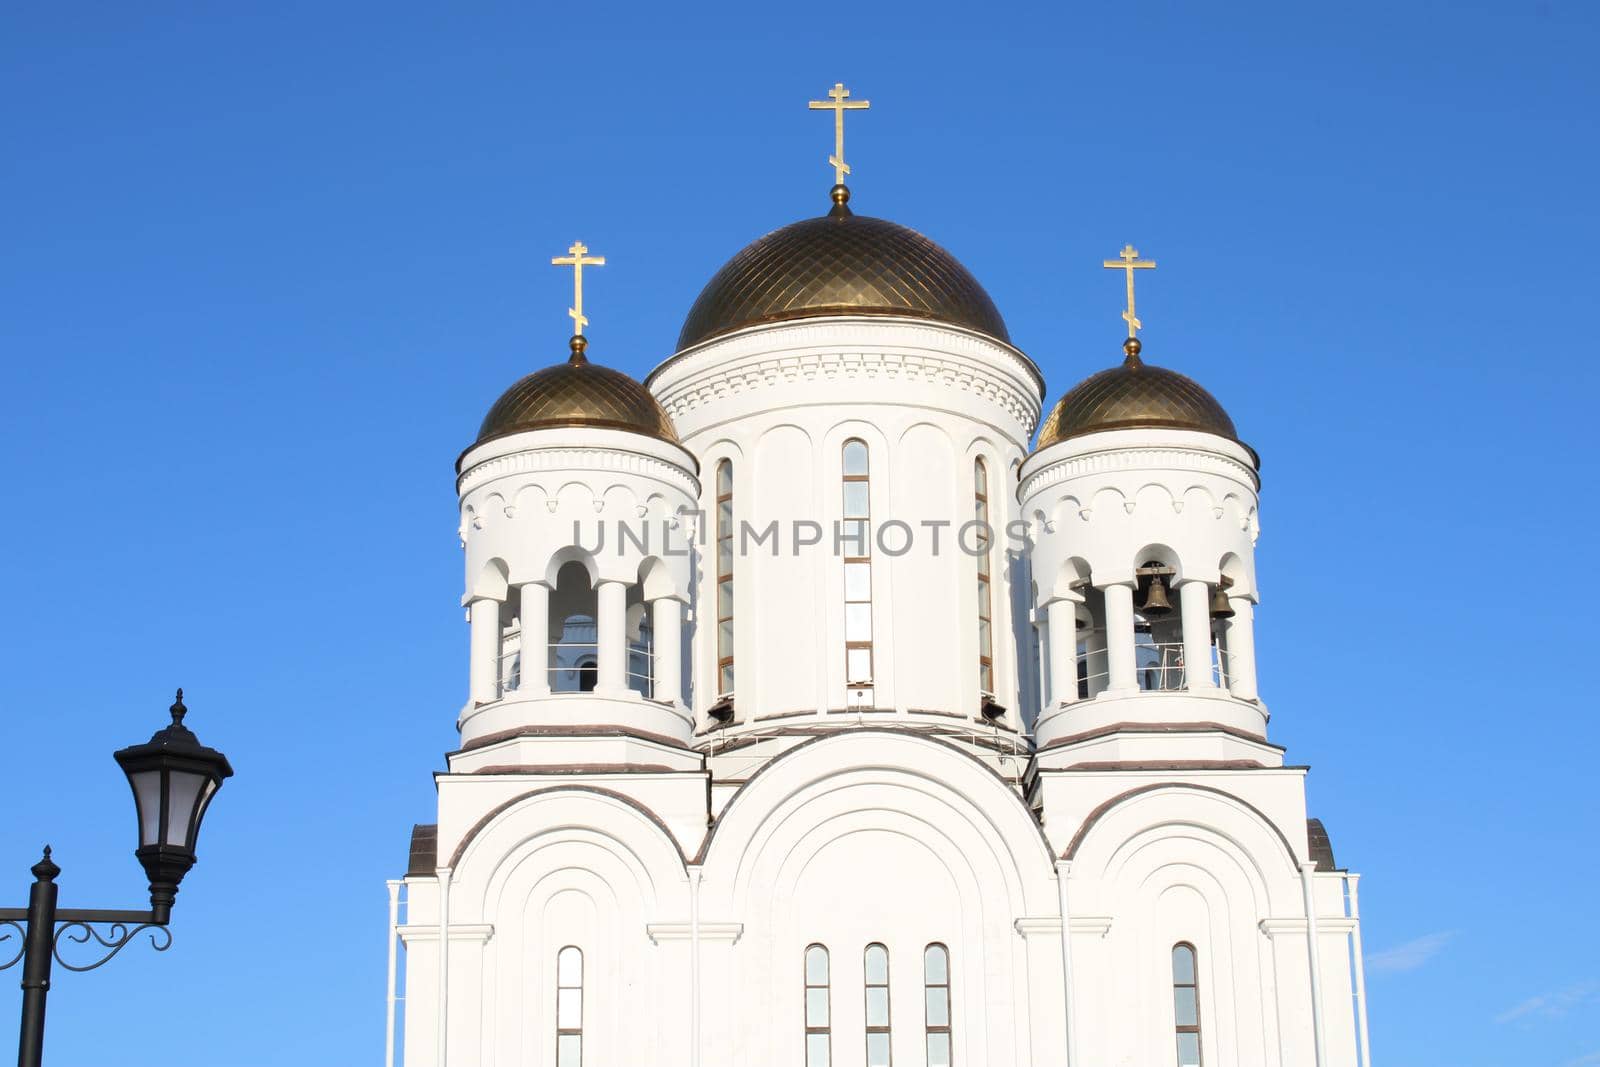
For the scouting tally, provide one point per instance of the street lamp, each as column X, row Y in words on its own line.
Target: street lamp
column 174, row 778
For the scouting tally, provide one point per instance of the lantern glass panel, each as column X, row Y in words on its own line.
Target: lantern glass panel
column 184, row 798
column 147, row 797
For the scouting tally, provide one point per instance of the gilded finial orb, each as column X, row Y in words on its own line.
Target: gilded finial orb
column 1132, row 346
column 578, row 344
column 840, row 193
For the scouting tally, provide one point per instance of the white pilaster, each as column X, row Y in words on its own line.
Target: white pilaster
column 1194, row 602
column 1119, row 637
column 611, row 627
column 534, row 619
column 1240, row 639
column 666, row 627
column 484, row 618
column 1063, row 621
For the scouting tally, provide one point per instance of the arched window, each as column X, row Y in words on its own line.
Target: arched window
column 1186, row 1004
column 984, row 543
column 569, row 1007
column 725, row 579
column 855, row 538
column 936, row 994
column 819, row 1050
column 876, row 965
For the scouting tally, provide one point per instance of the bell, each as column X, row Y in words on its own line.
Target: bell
column 1220, row 606
column 1156, row 603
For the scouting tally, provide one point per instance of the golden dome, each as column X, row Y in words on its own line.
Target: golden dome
column 577, row 393
column 840, row 264
column 1134, row 395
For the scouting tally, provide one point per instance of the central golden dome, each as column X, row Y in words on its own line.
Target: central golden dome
column 840, row 264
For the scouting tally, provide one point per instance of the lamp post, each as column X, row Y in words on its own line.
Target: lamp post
column 174, row 777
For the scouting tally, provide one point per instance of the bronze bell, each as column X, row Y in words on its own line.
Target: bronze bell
column 1156, row 603
column 1220, row 606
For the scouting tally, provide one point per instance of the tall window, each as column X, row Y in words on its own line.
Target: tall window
column 936, row 993
column 724, row 578
column 1186, row 1004
column 569, row 1007
column 980, row 508
column 877, row 975
column 818, row 1029
column 856, row 541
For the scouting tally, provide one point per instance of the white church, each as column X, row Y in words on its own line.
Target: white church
column 836, row 700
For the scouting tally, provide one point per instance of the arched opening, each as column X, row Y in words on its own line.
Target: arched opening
column 573, row 656
column 1158, row 627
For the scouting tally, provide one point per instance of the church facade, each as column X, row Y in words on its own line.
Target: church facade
column 835, row 703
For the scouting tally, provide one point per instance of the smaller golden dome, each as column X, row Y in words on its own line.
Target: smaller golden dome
column 1134, row 395
column 577, row 393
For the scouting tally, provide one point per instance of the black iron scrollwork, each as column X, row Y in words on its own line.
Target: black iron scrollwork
column 115, row 939
column 22, row 942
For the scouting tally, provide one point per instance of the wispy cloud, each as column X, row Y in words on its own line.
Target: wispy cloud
column 1411, row 955
column 1584, row 1061
column 1555, row 1006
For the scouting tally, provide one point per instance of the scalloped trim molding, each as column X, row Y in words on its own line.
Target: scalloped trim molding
column 1193, row 460
column 573, row 458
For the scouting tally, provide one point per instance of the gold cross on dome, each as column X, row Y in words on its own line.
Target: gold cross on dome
column 839, row 102
column 1129, row 261
column 577, row 258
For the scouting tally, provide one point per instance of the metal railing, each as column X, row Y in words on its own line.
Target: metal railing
column 1159, row 666
column 572, row 665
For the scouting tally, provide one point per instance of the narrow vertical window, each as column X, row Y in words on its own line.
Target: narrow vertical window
column 569, row 1007
column 818, row 1027
column 984, row 542
column 856, row 542
column 936, row 994
column 877, row 975
column 724, row 579
column 1186, row 1004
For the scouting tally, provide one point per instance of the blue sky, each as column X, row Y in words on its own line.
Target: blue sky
column 265, row 267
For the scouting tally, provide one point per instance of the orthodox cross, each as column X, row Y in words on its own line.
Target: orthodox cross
column 839, row 102
column 577, row 258
column 1129, row 261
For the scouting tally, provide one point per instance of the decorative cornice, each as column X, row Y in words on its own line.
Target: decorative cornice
column 474, row 932
column 1325, row 925
column 1113, row 460
column 682, row 931
column 1098, row 925
column 834, row 350
column 568, row 458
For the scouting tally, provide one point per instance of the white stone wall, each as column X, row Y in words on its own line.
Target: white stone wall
column 780, row 402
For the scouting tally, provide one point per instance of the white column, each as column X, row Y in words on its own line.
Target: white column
column 394, row 938
column 484, row 656
column 533, row 613
column 694, row 962
column 1063, row 619
column 1047, row 684
column 1194, row 602
column 1119, row 637
column 1351, row 881
column 666, row 630
column 1241, row 643
column 611, row 632
column 443, row 874
column 1308, row 872
column 1063, row 869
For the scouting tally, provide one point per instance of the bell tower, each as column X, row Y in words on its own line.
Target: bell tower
column 1143, row 504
